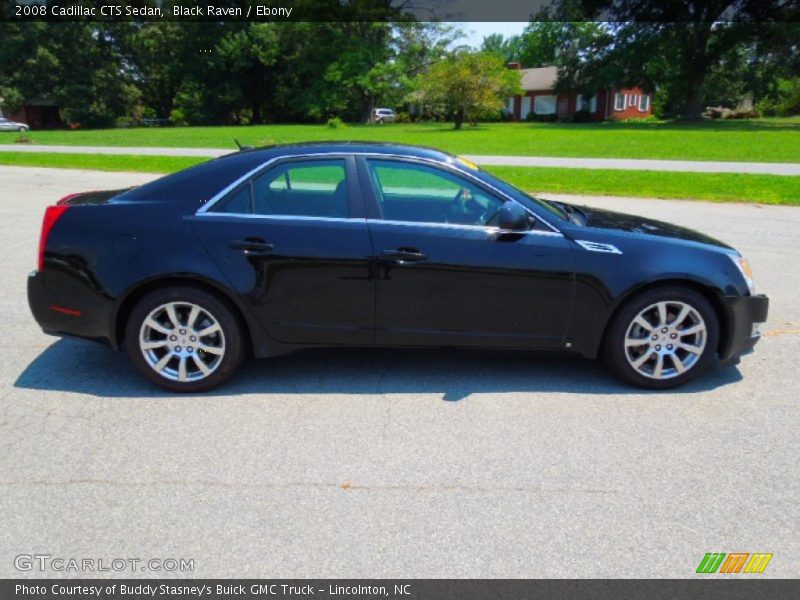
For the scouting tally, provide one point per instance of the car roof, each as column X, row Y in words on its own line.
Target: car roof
column 314, row 148
column 200, row 182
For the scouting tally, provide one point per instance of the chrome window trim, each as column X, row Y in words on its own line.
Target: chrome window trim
column 429, row 224
column 485, row 228
column 426, row 161
column 281, row 217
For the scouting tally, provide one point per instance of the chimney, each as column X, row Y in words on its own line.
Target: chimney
column 514, row 65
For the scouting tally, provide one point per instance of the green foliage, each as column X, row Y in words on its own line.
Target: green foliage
column 467, row 85
column 699, row 58
column 582, row 116
column 548, row 43
column 336, row 123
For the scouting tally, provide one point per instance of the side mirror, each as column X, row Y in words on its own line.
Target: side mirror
column 513, row 217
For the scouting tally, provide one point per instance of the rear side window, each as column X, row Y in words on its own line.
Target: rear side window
column 306, row 188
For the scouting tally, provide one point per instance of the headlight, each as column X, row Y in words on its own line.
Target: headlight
column 744, row 268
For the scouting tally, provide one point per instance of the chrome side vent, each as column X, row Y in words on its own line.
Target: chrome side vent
column 598, row 247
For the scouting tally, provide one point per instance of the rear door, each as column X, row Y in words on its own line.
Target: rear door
column 293, row 242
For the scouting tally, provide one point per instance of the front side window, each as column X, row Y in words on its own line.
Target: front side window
column 633, row 99
column 313, row 188
column 619, row 101
column 644, row 102
column 417, row 193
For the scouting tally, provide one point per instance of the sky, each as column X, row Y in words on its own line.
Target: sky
column 475, row 32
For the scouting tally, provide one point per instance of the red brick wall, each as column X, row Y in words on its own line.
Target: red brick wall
column 630, row 112
column 605, row 104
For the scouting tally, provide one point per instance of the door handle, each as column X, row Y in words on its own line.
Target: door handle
column 404, row 255
column 252, row 246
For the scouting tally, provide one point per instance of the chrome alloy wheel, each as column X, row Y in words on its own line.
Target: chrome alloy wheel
column 182, row 341
column 665, row 340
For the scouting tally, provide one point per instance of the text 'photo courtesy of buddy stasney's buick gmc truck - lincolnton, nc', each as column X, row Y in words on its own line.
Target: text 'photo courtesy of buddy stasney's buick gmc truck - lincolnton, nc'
column 266, row 251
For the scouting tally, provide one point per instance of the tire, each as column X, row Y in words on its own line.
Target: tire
column 684, row 349
column 200, row 355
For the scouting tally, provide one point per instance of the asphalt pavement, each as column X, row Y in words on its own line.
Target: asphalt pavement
column 393, row 463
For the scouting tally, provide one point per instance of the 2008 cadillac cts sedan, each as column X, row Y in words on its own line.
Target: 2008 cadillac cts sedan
column 271, row 250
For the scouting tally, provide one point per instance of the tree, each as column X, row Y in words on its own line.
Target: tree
column 675, row 45
column 510, row 48
column 246, row 55
column 468, row 85
column 555, row 43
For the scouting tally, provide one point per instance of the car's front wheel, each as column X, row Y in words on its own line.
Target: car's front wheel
column 663, row 338
column 184, row 339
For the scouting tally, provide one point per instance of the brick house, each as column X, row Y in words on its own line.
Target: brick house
column 539, row 97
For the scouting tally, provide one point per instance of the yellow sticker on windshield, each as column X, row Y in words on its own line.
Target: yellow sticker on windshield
column 467, row 163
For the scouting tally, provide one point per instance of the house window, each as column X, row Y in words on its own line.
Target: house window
column 510, row 105
column 619, row 101
column 633, row 99
column 587, row 103
column 525, row 107
column 644, row 102
column 544, row 105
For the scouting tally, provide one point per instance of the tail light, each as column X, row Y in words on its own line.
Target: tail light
column 51, row 215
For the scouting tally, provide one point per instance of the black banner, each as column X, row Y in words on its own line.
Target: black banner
column 394, row 589
column 392, row 10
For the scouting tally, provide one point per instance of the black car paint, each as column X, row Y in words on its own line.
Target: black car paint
column 342, row 282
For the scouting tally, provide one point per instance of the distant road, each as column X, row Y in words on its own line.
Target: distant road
column 694, row 166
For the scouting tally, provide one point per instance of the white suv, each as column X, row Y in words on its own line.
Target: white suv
column 384, row 115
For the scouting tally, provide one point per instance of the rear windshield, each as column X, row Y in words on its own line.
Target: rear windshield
column 196, row 184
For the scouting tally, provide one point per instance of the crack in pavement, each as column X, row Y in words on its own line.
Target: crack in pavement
column 346, row 486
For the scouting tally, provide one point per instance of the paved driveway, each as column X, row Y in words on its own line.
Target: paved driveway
column 389, row 463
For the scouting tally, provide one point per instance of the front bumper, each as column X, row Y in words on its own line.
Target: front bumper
column 744, row 314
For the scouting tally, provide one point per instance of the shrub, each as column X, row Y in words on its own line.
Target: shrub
column 547, row 118
column 582, row 116
column 336, row 123
column 403, row 117
column 178, row 118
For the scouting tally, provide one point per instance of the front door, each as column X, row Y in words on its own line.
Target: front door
column 446, row 276
column 294, row 243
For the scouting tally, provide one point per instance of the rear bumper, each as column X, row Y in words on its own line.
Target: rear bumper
column 745, row 313
column 70, row 315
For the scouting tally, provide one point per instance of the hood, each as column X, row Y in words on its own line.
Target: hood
column 606, row 219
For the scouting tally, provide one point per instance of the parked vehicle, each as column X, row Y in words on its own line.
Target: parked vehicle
column 384, row 115
column 9, row 125
column 277, row 249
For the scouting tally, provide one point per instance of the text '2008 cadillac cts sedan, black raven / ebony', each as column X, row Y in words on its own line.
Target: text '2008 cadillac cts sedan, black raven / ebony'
column 272, row 250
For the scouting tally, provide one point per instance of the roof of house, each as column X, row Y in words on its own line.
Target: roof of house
column 543, row 78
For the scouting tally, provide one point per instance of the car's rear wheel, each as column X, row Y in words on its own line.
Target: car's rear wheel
column 663, row 338
column 184, row 339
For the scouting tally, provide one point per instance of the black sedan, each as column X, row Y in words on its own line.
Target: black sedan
column 272, row 250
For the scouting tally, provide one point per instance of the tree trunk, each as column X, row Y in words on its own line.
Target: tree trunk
column 368, row 109
column 256, row 108
column 458, row 119
column 696, row 69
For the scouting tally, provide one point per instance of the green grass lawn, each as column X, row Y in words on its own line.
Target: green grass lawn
column 757, row 140
column 717, row 187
